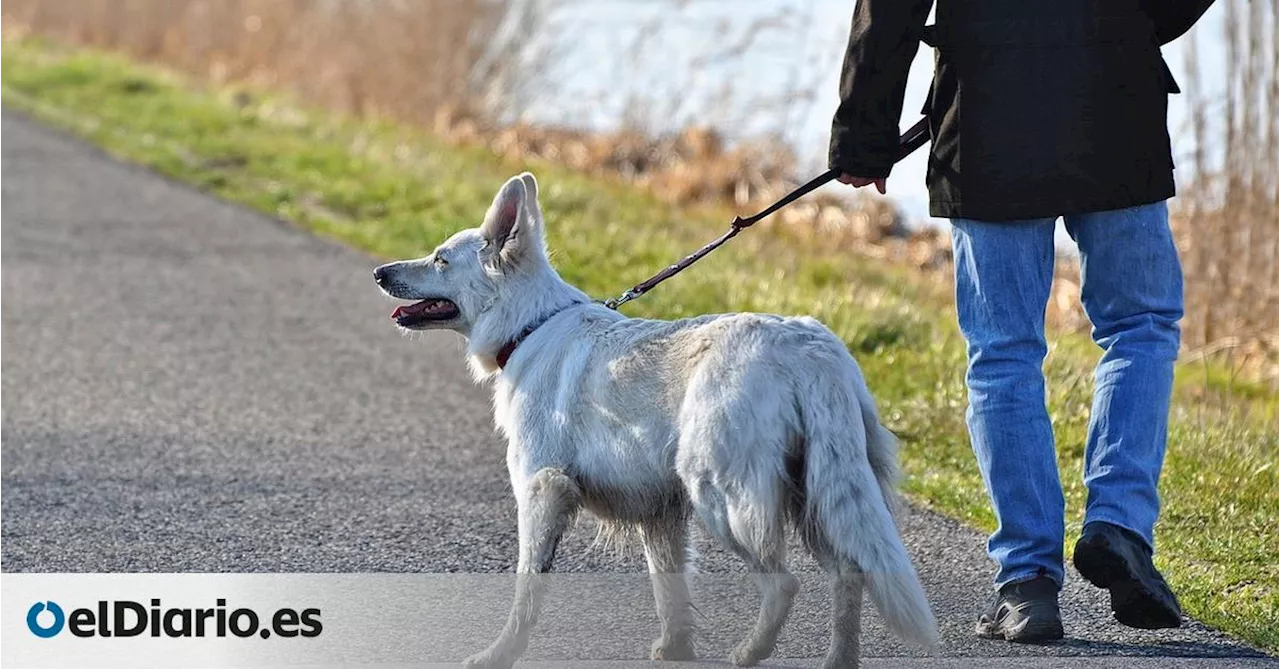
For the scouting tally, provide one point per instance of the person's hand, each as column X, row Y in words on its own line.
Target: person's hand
column 859, row 182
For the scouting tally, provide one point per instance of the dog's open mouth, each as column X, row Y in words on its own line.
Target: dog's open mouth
column 426, row 311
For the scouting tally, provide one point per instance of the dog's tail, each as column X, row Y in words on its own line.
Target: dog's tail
column 850, row 496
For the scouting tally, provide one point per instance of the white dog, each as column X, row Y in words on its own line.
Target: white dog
column 752, row 422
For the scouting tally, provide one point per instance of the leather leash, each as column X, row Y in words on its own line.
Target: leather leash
column 915, row 137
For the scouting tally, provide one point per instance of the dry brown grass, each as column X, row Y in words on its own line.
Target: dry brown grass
column 400, row 59
column 1227, row 219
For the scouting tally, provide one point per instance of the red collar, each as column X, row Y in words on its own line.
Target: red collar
column 504, row 353
column 509, row 348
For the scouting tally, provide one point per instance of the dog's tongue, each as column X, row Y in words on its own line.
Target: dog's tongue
column 409, row 310
column 418, row 308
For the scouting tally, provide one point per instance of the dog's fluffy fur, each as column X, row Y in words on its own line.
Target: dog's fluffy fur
column 749, row 422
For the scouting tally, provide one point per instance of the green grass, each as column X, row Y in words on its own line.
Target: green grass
column 396, row 192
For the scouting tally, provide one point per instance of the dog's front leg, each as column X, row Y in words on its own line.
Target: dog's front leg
column 546, row 508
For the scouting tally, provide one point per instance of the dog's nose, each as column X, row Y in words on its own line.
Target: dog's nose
column 380, row 275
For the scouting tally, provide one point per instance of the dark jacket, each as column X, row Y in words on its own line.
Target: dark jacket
column 1037, row 108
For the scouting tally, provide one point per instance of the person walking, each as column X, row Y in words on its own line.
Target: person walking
column 1040, row 110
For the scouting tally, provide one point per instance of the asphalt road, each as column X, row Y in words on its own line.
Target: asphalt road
column 191, row 386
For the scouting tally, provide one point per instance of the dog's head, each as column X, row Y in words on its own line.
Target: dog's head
column 460, row 282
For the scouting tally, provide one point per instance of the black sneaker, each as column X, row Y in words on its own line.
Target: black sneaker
column 1114, row 558
column 1024, row 612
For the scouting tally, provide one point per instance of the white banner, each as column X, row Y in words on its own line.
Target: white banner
column 255, row 620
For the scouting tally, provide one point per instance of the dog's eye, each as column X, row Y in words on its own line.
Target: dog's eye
column 441, row 263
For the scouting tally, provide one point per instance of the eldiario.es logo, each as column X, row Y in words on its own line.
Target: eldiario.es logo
column 123, row 618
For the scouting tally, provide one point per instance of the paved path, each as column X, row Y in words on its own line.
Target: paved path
column 190, row 386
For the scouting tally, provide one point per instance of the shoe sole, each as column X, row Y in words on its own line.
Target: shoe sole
column 1037, row 633
column 1132, row 602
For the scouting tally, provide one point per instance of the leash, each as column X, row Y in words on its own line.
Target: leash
column 915, row 137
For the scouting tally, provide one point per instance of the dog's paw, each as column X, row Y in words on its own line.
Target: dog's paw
column 673, row 650
column 747, row 655
column 487, row 660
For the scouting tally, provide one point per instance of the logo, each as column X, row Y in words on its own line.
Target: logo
column 33, row 619
column 123, row 618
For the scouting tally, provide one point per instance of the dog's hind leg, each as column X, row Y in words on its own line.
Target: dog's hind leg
column 846, row 620
column 846, row 602
column 666, row 548
column 778, row 588
column 754, row 531
column 546, row 509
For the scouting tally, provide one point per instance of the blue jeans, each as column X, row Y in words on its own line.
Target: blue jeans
column 1132, row 292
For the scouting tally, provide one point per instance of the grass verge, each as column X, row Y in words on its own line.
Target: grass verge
column 396, row 192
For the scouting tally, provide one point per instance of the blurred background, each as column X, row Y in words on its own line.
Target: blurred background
column 719, row 102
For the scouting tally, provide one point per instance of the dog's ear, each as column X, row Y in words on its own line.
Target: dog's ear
column 530, row 190
column 512, row 227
